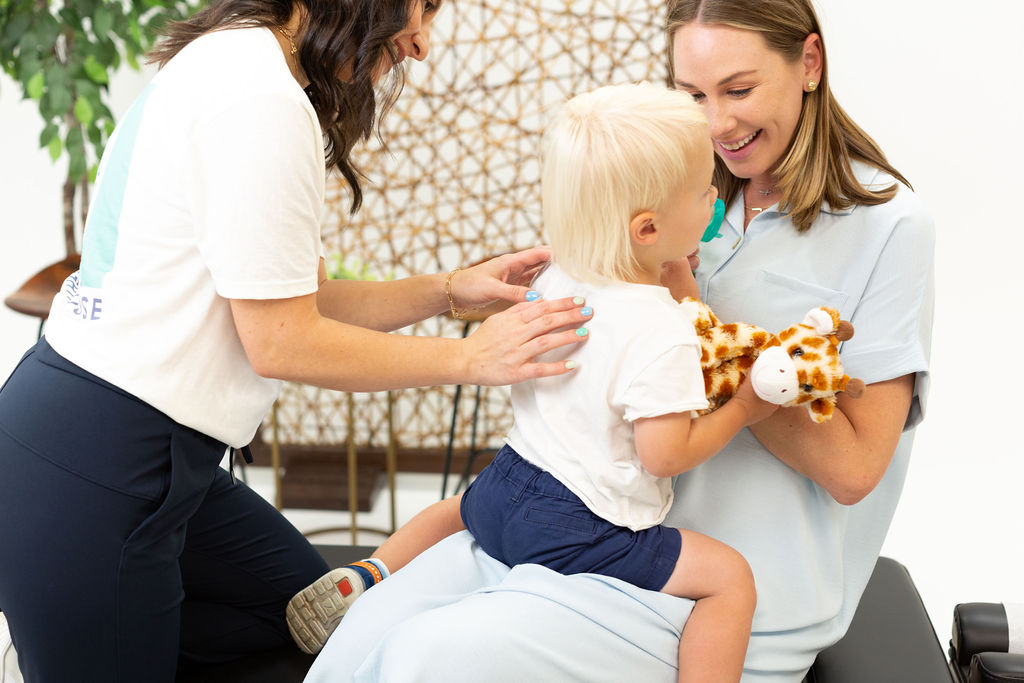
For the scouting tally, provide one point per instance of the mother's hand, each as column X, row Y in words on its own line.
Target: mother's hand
column 502, row 350
column 506, row 277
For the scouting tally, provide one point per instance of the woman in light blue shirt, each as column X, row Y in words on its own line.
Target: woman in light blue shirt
column 815, row 216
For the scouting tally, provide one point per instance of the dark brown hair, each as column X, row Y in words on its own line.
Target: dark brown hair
column 334, row 33
column 816, row 166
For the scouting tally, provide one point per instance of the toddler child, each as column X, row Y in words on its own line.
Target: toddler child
column 584, row 480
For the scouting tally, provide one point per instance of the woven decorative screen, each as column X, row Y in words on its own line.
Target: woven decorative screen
column 460, row 181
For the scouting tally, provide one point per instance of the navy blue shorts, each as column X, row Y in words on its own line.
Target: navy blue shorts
column 520, row 514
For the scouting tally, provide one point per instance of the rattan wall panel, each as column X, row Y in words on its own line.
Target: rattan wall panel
column 459, row 181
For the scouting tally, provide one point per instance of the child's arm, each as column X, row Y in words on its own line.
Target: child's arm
column 670, row 444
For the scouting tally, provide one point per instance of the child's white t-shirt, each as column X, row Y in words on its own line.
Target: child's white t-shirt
column 641, row 359
column 210, row 189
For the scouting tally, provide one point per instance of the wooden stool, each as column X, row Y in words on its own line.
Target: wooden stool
column 36, row 295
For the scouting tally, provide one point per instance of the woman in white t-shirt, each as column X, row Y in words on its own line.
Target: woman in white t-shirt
column 126, row 548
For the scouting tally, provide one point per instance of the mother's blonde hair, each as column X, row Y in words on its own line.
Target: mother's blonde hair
column 816, row 167
column 611, row 154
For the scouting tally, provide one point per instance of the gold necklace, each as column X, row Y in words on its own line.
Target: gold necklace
column 755, row 209
column 758, row 209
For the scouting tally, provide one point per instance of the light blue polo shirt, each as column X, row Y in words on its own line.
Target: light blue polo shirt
column 455, row 614
column 810, row 555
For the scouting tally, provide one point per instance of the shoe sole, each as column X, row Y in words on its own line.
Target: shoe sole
column 316, row 610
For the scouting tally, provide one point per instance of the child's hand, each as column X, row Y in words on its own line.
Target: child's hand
column 678, row 277
column 756, row 407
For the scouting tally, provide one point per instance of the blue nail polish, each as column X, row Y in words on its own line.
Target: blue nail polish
column 582, row 332
column 570, row 365
column 587, row 311
column 532, row 295
column 579, row 300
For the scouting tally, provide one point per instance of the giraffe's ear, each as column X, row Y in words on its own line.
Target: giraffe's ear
column 855, row 388
column 823, row 320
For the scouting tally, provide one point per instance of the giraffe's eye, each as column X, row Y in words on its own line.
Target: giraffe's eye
column 797, row 352
column 807, row 387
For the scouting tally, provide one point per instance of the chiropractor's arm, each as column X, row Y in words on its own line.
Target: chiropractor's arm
column 391, row 305
column 289, row 339
column 293, row 339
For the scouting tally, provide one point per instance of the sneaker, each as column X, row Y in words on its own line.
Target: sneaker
column 316, row 610
column 9, row 671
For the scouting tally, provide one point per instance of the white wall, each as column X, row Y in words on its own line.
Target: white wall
column 31, row 218
column 934, row 84
column 939, row 89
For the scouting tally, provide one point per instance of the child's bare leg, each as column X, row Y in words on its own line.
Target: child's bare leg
column 714, row 640
column 433, row 524
column 316, row 610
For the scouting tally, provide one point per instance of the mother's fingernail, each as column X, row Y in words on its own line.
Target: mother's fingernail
column 579, row 300
column 587, row 311
column 532, row 295
column 582, row 332
column 570, row 365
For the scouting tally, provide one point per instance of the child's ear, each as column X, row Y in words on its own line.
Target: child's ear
column 643, row 228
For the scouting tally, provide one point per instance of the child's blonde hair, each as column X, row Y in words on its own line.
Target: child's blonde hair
column 610, row 154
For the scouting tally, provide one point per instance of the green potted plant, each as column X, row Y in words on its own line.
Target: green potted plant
column 62, row 53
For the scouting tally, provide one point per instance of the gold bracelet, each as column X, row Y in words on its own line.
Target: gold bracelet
column 457, row 313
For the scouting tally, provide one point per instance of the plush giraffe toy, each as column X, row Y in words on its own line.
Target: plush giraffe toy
column 799, row 365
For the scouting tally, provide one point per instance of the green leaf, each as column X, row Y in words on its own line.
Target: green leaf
column 76, row 163
column 135, row 33
column 34, row 87
column 92, row 172
column 95, row 70
column 27, row 68
column 56, row 77
column 47, row 29
column 102, row 111
column 83, row 110
column 28, row 44
column 70, row 17
column 50, row 131
column 13, row 31
column 60, row 98
column 96, row 136
column 75, row 141
column 55, row 147
column 102, row 21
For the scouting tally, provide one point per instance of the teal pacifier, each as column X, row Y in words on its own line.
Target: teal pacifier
column 716, row 222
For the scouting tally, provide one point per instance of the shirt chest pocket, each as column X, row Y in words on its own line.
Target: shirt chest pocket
column 788, row 299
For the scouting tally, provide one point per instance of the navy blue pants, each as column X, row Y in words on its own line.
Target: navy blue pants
column 124, row 547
